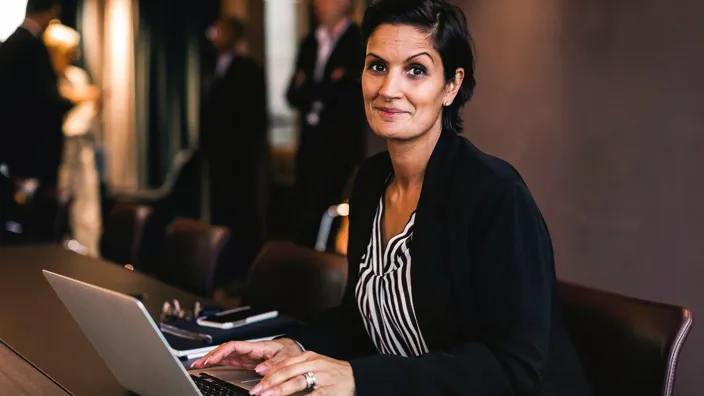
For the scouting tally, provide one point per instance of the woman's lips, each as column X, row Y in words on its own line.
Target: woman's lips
column 390, row 112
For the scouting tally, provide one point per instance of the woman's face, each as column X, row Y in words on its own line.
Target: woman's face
column 403, row 83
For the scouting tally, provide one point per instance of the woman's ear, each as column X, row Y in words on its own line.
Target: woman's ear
column 453, row 86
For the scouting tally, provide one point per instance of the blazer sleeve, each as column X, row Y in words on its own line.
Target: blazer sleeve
column 47, row 87
column 514, row 277
column 339, row 333
column 300, row 96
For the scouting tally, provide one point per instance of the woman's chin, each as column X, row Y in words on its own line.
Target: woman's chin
column 390, row 132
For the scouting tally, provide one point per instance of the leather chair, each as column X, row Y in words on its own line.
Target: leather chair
column 179, row 196
column 627, row 346
column 191, row 253
column 180, row 192
column 295, row 280
column 46, row 217
column 123, row 236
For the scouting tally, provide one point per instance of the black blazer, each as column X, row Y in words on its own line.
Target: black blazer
column 340, row 135
column 31, row 109
column 484, row 287
column 234, row 116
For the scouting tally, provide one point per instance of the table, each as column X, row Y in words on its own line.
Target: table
column 17, row 377
column 35, row 323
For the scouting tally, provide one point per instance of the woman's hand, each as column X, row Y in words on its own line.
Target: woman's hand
column 286, row 377
column 248, row 355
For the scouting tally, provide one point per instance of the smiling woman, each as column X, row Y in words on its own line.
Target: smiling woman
column 451, row 281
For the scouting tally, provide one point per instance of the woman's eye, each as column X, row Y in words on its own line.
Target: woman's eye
column 377, row 68
column 417, row 71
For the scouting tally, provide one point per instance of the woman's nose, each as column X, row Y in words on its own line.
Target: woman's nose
column 391, row 87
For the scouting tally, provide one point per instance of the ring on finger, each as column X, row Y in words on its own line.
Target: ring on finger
column 310, row 380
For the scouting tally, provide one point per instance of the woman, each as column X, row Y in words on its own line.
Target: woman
column 78, row 174
column 452, row 286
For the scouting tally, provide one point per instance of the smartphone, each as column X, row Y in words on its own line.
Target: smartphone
column 236, row 317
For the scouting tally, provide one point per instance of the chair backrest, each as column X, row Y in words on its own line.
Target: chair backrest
column 190, row 254
column 627, row 346
column 46, row 218
column 296, row 280
column 123, row 234
column 180, row 163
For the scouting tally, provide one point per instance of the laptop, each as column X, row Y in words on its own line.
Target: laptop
column 136, row 352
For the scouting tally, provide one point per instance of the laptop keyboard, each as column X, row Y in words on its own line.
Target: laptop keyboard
column 211, row 386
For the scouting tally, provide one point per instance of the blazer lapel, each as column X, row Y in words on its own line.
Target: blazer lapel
column 368, row 190
column 430, row 241
column 341, row 47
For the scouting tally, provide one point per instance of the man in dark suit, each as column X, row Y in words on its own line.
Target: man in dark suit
column 325, row 89
column 31, row 106
column 233, row 139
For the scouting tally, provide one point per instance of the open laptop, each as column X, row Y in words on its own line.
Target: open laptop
column 136, row 352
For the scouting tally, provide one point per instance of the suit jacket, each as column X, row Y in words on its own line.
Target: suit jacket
column 339, row 137
column 234, row 114
column 484, row 287
column 31, row 108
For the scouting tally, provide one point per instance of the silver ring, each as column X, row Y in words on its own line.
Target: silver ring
column 310, row 380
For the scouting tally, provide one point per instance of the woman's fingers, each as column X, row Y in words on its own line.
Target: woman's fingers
column 252, row 350
column 277, row 377
column 277, row 363
column 240, row 362
column 293, row 385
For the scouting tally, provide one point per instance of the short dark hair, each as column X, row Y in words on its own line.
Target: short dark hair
column 448, row 28
column 39, row 6
column 235, row 27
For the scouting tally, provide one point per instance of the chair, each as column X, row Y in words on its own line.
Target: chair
column 327, row 229
column 296, row 280
column 190, row 255
column 123, row 236
column 627, row 346
column 179, row 196
column 46, row 217
column 180, row 192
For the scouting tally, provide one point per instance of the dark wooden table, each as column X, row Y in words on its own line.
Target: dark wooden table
column 35, row 323
column 19, row 378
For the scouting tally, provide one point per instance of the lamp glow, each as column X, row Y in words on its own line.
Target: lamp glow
column 12, row 15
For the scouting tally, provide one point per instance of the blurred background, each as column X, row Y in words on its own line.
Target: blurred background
column 597, row 103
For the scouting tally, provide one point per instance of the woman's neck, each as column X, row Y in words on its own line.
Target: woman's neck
column 410, row 158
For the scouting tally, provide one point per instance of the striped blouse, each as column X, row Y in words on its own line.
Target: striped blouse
column 384, row 293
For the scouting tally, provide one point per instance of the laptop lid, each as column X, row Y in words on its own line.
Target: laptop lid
column 126, row 338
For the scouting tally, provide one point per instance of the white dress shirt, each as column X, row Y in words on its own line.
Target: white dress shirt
column 327, row 38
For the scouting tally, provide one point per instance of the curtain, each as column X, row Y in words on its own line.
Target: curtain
column 107, row 48
column 118, row 79
column 170, row 45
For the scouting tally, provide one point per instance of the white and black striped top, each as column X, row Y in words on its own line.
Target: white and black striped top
column 384, row 293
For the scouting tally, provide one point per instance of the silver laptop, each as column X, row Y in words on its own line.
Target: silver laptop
column 136, row 352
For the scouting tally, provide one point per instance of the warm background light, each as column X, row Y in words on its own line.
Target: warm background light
column 118, row 81
column 11, row 16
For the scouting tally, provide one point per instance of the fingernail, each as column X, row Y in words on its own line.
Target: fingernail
column 256, row 390
column 260, row 369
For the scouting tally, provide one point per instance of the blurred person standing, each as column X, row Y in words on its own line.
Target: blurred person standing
column 31, row 107
column 78, row 174
column 325, row 89
column 233, row 140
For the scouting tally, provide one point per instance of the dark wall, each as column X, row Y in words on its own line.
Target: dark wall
column 600, row 105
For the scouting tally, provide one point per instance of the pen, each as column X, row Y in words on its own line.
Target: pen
column 185, row 333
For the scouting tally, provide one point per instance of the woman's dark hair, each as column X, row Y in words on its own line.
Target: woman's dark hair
column 447, row 27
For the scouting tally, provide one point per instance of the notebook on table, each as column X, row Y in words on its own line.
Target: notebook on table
column 188, row 339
